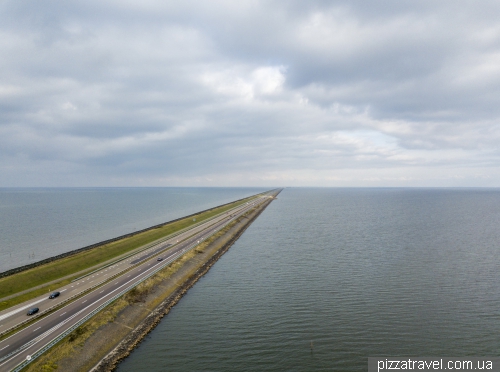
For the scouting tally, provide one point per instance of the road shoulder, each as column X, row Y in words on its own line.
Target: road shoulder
column 111, row 335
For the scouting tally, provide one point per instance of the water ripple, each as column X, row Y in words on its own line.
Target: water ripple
column 325, row 278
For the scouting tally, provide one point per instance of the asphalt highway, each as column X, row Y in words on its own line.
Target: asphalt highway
column 149, row 254
column 21, row 345
column 11, row 318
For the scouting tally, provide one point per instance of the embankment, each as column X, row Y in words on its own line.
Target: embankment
column 110, row 336
column 30, row 283
column 89, row 247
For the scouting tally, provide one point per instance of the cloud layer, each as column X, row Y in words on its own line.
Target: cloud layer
column 254, row 93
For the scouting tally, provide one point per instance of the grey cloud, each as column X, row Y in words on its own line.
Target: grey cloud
column 219, row 92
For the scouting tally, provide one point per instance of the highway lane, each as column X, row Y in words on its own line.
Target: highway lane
column 149, row 254
column 34, row 337
column 12, row 317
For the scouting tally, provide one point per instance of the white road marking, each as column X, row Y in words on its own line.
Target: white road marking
column 20, row 309
column 17, row 310
column 63, row 290
column 36, row 329
column 63, row 313
column 84, row 301
column 39, row 338
column 4, row 347
column 102, row 291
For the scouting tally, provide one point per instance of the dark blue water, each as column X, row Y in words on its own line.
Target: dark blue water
column 352, row 273
column 49, row 221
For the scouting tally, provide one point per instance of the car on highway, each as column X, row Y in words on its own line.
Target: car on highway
column 54, row 294
column 159, row 259
column 33, row 311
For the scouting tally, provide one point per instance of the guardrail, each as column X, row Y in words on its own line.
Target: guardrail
column 66, row 254
column 46, row 347
column 157, row 242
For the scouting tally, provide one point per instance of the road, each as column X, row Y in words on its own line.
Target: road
column 12, row 317
column 16, row 348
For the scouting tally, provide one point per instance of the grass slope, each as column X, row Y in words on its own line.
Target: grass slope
column 90, row 259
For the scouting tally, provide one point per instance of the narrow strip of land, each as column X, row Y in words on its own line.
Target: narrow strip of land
column 16, row 316
column 28, row 284
column 35, row 338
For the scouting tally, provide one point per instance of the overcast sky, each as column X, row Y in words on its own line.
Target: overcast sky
column 249, row 93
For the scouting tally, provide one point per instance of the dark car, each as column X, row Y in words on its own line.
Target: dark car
column 33, row 311
column 159, row 259
column 54, row 295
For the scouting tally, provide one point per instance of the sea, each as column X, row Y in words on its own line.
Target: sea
column 38, row 223
column 326, row 277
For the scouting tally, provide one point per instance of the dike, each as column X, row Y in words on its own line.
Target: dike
column 95, row 245
column 101, row 346
column 110, row 361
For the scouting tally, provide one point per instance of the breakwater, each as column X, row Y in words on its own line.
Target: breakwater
column 140, row 309
column 95, row 245
column 110, row 361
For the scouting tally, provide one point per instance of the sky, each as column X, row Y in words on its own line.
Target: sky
column 389, row 93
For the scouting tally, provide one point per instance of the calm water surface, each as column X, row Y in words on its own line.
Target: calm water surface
column 352, row 273
column 49, row 221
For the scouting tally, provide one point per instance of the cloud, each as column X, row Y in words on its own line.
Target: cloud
column 249, row 93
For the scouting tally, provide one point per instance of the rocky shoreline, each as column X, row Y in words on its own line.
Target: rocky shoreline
column 125, row 347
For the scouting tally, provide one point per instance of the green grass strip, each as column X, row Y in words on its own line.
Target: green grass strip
column 89, row 259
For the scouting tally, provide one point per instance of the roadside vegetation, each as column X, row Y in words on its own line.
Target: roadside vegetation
column 87, row 261
column 76, row 340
